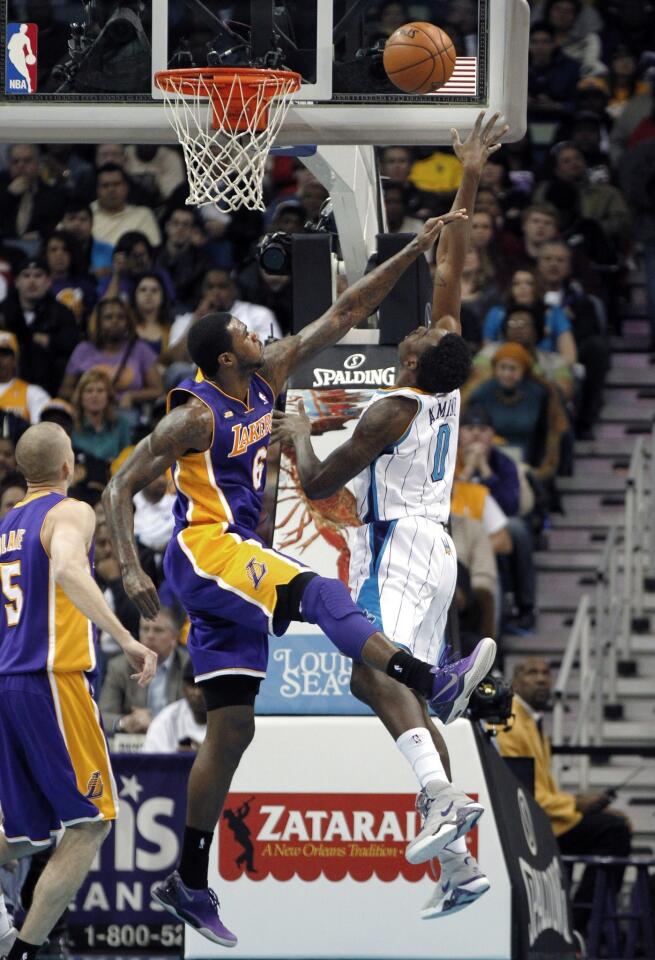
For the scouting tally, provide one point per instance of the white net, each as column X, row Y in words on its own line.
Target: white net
column 226, row 165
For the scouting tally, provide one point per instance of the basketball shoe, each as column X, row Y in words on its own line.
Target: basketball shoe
column 461, row 883
column 198, row 908
column 455, row 681
column 448, row 814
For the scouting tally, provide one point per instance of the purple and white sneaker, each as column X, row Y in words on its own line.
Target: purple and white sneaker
column 198, row 908
column 454, row 682
column 448, row 814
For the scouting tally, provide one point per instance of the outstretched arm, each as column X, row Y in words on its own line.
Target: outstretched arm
column 187, row 428
column 381, row 425
column 354, row 305
column 454, row 243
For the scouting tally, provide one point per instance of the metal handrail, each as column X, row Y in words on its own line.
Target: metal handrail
column 601, row 635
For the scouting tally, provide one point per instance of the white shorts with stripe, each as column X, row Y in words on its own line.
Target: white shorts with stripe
column 403, row 573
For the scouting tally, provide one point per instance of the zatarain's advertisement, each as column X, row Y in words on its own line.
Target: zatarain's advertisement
column 312, row 835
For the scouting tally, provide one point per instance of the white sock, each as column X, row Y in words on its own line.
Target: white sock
column 5, row 922
column 417, row 747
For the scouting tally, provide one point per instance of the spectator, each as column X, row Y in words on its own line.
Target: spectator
column 506, row 243
column 116, row 349
column 312, row 195
column 582, row 823
column 133, row 256
column 586, row 325
column 18, row 396
column 475, row 554
column 95, row 255
column 125, row 706
column 151, row 308
column 290, row 217
column 524, row 324
column 473, row 500
column 479, row 291
column 637, row 108
column 7, row 457
column 624, row 80
column 108, row 577
column 552, row 75
column 485, row 241
column 12, row 490
column 219, row 288
column 69, row 283
column 585, row 47
column 154, row 522
column 638, row 182
column 396, row 163
column 30, row 209
column 597, row 201
column 556, row 335
column 523, row 412
column 397, row 209
column 184, row 263
column 158, row 169
column 181, row 725
column 100, row 430
column 269, row 290
column 482, row 462
column 112, row 215
column 46, row 330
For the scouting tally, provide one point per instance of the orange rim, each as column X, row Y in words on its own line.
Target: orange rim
column 240, row 96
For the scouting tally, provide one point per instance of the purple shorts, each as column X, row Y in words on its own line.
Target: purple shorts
column 227, row 583
column 54, row 762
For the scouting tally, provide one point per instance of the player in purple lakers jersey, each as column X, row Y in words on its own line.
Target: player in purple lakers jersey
column 234, row 588
column 54, row 763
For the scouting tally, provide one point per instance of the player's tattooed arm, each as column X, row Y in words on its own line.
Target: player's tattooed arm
column 454, row 243
column 380, row 426
column 186, row 428
column 353, row 306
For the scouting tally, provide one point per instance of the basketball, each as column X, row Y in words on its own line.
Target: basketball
column 30, row 59
column 419, row 58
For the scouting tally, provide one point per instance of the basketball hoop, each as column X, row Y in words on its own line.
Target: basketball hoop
column 226, row 119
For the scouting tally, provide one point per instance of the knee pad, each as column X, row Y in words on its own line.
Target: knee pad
column 328, row 604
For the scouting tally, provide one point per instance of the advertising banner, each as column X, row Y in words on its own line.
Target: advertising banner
column 309, row 856
column 113, row 911
column 307, row 675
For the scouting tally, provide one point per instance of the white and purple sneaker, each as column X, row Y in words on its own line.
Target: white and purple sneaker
column 448, row 814
column 197, row 908
column 454, row 682
column 460, row 884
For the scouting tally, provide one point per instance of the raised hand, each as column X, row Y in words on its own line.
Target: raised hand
column 480, row 143
column 287, row 427
column 434, row 226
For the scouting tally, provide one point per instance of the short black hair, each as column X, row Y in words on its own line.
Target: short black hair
column 207, row 339
column 445, row 367
column 127, row 241
column 77, row 205
column 112, row 168
column 535, row 311
column 542, row 27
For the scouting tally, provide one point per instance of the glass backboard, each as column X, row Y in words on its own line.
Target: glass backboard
column 81, row 70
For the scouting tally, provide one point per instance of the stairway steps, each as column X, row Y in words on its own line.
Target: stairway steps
column 594, row 503
column 630, row 344
column 620, row 431
column 573, row 540
column 624, row 731
column 632, row 376
column 551, row 559
column 628, row 413
column 583, row 482
column 586, row 450
column 587, row 519
column 605, row 776
column 639, row 400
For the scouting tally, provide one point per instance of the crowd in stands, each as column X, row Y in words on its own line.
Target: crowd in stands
column 103, row 270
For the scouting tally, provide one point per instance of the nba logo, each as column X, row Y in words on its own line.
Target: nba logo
column 22, row 48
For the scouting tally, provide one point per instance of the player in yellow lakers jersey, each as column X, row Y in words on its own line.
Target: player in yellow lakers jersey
column 54, row 763
column 234, row 588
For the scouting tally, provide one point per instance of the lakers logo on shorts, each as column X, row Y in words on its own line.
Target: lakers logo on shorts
column 95, row 787
column 256, row 571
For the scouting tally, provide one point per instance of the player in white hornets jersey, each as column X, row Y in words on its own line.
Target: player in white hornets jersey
column 403, row 565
